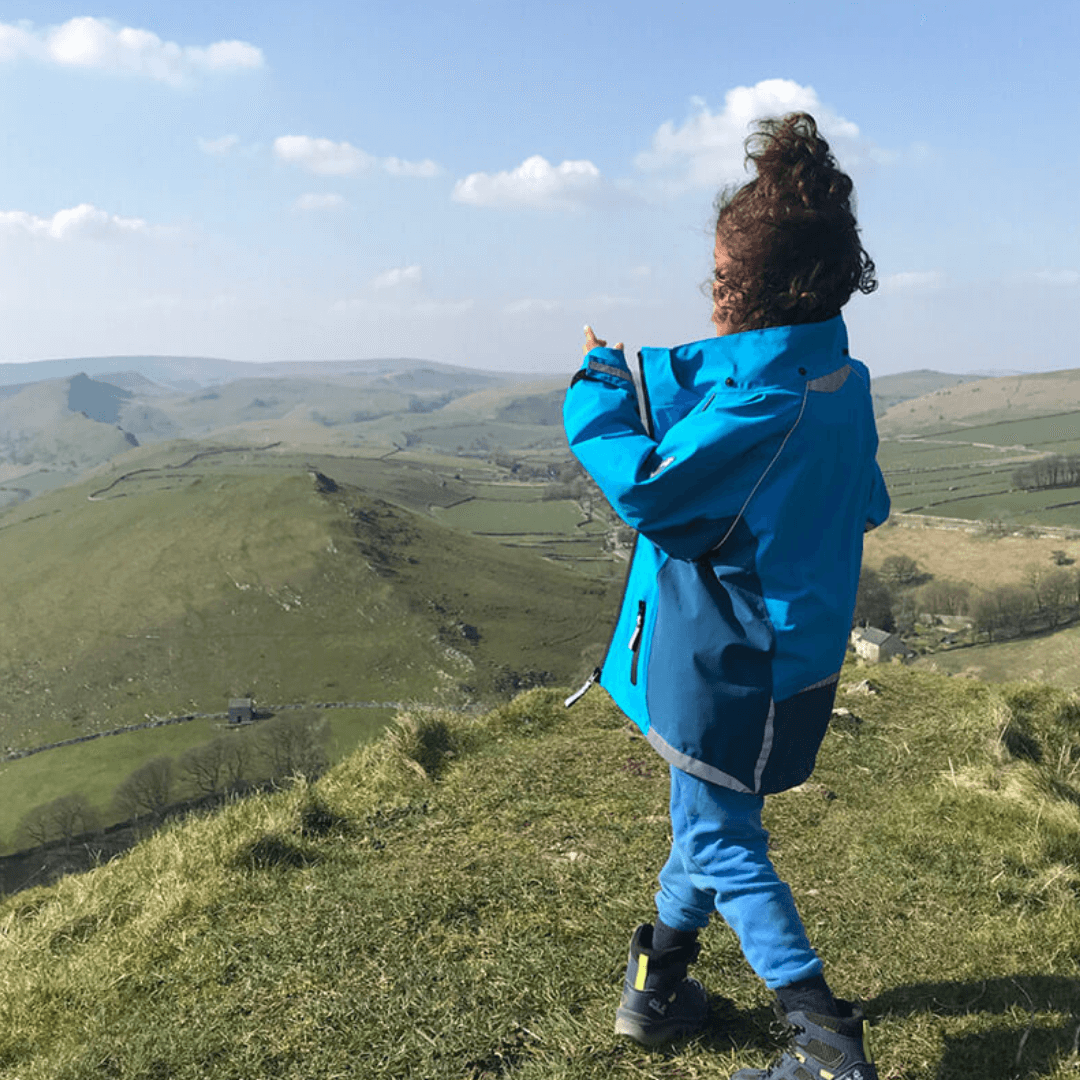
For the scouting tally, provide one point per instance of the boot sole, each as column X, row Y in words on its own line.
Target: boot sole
column 653, row 1034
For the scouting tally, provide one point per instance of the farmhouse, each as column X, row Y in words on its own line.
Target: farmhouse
column 240, row 710
column 877, row 646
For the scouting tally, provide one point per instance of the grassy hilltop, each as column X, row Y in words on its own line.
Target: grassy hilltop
column 454, row 902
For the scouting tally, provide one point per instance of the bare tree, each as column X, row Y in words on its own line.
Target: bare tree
column 73, row 814
column 899, row 570
column 239, row 762
column 1035, row 574
column 147, row 790
column 945, row 597
column 1058, row 595
column 1004, row 610
column 62, row 819
column 873, row 603
column 205, row 767
column 35, row 826
column 294, row 745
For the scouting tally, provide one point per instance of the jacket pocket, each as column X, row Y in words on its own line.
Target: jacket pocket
column 635, row 642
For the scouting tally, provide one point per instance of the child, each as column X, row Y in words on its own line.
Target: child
column 749, row 473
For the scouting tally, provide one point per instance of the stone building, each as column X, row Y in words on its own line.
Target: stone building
column 877, row 646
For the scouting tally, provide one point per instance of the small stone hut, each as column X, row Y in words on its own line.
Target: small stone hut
column 877, row 646
column 241, row 710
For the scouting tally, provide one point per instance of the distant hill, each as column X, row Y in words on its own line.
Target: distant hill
column 890, row 390
column 983, row 401
column 54, row 418
column 384, row 403
column 191, row 372
column 66, row 423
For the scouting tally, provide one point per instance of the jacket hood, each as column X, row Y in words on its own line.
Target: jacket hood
column 677, row 379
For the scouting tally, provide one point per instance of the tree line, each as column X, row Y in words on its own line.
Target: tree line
column 894, row 597
column 273, row 752
column 1054, row 471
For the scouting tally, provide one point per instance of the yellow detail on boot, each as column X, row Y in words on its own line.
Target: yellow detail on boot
column 642, row 971
column 825, row 1075
column 866, row 1042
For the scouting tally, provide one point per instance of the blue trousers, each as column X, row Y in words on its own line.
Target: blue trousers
column 720, row 860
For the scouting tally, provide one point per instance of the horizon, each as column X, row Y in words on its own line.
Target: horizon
column 282, row 182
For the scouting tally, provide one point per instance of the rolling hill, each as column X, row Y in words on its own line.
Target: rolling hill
column 985, row 401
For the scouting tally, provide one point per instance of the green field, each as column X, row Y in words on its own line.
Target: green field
column 1030, row 431
column 95, row 769
column 1052, row 658
column 910, row 454
column 968, row 472
column 514, row 516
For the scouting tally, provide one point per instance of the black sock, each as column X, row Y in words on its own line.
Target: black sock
column 808, row 995
column 666, row 937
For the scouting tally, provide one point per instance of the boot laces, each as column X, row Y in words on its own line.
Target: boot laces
column 780, row 1029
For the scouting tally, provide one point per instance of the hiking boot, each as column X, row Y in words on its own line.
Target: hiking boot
column 658, row 1001
column 821, row 1048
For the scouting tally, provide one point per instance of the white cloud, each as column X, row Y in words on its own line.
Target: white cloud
column 324, row 157
column 534, row 183
column 400, row 275
column 1057, row 277
column 319, row 200
column 424, row 169
column 708, row 148
column 89, row 42
column 219, row 146
column 83, row 220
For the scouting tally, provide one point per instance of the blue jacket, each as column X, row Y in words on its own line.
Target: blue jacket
column 749, row 473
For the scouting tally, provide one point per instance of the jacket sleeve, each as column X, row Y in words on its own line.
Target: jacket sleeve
column 678, row 490
column 880, row 503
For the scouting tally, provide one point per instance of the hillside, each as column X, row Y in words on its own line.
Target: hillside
column 890, row 390
column 203, row 575
column 455, row 901
column 985, row 401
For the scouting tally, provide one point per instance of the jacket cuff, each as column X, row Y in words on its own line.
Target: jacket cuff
column 605, row 365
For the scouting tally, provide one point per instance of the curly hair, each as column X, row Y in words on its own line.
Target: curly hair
column 792, row 247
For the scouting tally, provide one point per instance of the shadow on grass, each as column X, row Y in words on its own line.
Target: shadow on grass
column 1020, row 1045
column 1013, row 1047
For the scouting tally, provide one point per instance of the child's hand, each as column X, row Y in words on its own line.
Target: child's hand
column 592, row 341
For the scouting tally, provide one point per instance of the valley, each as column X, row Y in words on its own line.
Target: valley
column 393, row 532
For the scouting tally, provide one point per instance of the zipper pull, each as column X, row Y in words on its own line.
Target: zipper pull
column 581, row 693
column 635, row 637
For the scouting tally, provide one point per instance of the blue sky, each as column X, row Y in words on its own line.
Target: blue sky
column 472, row 181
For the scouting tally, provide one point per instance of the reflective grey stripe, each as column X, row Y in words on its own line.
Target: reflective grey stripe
column 818, row 685
column 608, row 369
column 693, row 766
column 766, row 745
column 715, row 549
column 829, row 384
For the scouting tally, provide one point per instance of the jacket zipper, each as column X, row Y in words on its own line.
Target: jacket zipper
column 635, row 641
